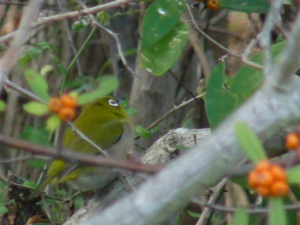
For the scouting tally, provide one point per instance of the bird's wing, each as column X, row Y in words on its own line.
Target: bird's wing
column 104, row 136
column 100, row 136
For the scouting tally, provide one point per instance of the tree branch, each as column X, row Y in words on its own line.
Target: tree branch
column 268, row 111
column 73, row 157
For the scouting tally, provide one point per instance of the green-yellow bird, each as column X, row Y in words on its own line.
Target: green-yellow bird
column 106, row 124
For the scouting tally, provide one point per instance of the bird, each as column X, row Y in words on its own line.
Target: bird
column 104, row 122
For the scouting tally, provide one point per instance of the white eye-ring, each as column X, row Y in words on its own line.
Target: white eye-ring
column 112, row 102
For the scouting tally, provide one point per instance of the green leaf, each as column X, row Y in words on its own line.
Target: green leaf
column 193, row 214
column 79, row 202
column 224, row 94
column 160, row 17
column 38, row 135
column 78, row 25
column 30, row 184
column 219, row 101
column 249, row 6
column 241, row 180
column 36, row 163
column 53, row 122
column 3, row 198
column 291, row 215
column 142, row 131
column 36, row 108
column 240, row 217
column 277, row 215
column 156, row 129
column 46, row 69
column 249, row 142
column 37, row 84
column 106, row 87
column 160, row 56
column 3, row 210
column 2, row 106
column 248, row 79
column 34, row 52
column 131, row 111
column 30, row 54
column 293, row 175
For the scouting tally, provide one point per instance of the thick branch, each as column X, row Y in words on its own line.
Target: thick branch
column 282, row 73
column 266, row 112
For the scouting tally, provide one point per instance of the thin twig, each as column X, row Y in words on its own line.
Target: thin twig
column 71, row 41
column 114, row 35
column 207, row 210
column 226, row 209
column 76, row 57
column 247, row 62
column 70, row 15
column 12, row 54
column 74, row 157
column 186, row 89
column 21, row 90
column 265, row 36
column 19, row 159
column 279, row 76
column 173, row 110
column 85, row 138
column 198, row 47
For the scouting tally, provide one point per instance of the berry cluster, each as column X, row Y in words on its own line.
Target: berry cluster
column 65, row 106
column 268, row 179
column 211, row 4
column 292, row 142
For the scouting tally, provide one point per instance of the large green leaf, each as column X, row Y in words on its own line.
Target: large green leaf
column 248, row 79
column 160, row 17
column 36, row 108
column 161, row 55
column 240, row 217
column 3, row 210
column 249, row 6
column 53, row 122
column 225, row 94
column 293, row 175
column 106, row 87
column 277, row 215
column 219, row 101
column 37, row 84
column 142, row 131
column 249, row 142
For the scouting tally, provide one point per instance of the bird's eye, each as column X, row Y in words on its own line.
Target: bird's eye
column 112, row 102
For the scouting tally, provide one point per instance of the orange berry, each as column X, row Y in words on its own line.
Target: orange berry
column 263, row 165
column 278, row 173
column 263, row 191
column 253, row 181
column 54, row 104
column 265, row 178
column 279, row 189
column 67, row 114
column 212, row 4
column 68, row 101
column 292, row 141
